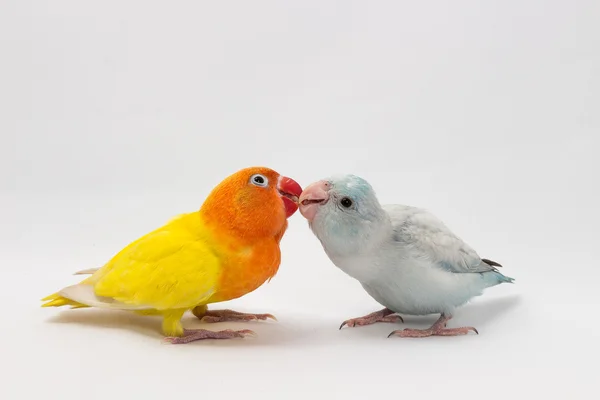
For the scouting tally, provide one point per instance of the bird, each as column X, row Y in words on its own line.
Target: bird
column 227, row 248
column 404, row 257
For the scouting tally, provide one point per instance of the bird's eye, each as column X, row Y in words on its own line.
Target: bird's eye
column 346, row 202
column 259, row 180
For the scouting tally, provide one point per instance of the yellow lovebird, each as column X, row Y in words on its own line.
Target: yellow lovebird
column 226, row 249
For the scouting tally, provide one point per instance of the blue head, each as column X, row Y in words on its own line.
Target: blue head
column 344, row 213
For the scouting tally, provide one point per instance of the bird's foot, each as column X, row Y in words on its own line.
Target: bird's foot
column 437, row 329
column 230, row 315
column 419, row 333
column 385, row 315
column 192, row 335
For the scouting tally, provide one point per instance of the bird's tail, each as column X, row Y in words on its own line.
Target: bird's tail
column 83, row 295
column 56, row 300
column 494, row 278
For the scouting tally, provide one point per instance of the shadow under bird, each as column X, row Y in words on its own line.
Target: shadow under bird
column 226, row 249
column 404, row 257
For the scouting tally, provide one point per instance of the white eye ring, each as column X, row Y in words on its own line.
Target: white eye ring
column 259, row 180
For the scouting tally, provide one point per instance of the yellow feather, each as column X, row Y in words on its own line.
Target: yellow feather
column 170, row 270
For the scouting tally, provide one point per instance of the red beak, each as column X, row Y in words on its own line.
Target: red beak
column 289, row 190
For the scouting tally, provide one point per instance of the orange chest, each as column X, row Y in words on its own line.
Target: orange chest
column 246, row 268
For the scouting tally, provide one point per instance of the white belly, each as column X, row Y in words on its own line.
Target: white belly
column 419, row 288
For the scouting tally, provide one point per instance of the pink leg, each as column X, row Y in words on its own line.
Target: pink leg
column 192, row 335
column 437, row 329
column 230, row 315
column 385, row 315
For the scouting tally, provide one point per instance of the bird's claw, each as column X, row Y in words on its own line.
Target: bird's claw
column 351, row 323
column 172, row 340
column 247, row 332
column 267, row 316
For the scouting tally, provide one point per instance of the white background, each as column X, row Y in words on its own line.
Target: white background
column 118, row 115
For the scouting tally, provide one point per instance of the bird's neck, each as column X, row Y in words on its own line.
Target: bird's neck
column 233, row 220
column 357, row 240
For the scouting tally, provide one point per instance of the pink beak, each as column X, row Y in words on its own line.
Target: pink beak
column 313, row 196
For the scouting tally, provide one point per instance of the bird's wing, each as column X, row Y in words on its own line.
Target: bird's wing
column 166, row 269
column 429, row 238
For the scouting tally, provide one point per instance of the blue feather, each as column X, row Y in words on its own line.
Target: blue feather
column 494, row 278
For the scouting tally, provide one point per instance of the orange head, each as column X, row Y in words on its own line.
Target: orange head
column 253, row 202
